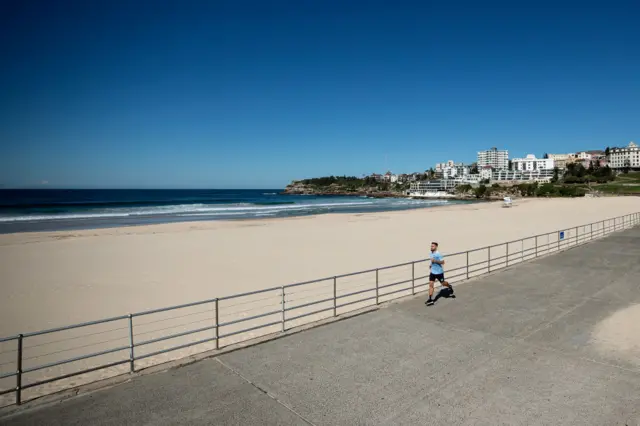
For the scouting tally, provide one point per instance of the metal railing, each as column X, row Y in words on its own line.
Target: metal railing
column 50, row 360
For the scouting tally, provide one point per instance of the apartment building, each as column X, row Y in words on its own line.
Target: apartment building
column 497, row 159
column 537, row 175
column 421, row 188
column 628, row 156
column 531, row 163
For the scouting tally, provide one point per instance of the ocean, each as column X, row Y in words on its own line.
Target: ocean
column 58, row 209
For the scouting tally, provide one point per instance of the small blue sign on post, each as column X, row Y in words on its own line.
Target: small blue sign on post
column 562, row 235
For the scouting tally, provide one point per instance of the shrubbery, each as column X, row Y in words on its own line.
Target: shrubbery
column 576, row 173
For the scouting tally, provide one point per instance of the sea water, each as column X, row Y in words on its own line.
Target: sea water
column 58, row 209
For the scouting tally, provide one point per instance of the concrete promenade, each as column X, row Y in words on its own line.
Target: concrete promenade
column 542, row 343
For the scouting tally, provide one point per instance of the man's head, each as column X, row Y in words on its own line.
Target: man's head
column 434, row 246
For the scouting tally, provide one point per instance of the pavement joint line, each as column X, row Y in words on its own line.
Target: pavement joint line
column 509, row 344
column 264, row 391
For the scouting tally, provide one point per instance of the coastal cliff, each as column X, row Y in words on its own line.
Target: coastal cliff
column 345, row 186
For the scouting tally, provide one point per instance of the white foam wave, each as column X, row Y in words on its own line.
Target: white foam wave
column 182, row 210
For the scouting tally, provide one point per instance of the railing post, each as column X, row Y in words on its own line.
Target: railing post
column 19, row 372
column 335, row 296
column 467, row 264
column 576, row 235
column 591, row 231
column 507, row 254
column 283, row 311
column 413, row 278
column 489, row 259
column 536, row 246
column 217, row 304
column 548, row 245
column 131, row 353
column 377, row 297
column 522, row 250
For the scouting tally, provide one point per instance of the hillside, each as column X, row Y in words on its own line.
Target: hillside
column 344, row 185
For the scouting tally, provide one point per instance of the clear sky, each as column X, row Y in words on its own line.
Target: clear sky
column 242, row 94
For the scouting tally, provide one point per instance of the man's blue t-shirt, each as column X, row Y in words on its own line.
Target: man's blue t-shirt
column 435, row 267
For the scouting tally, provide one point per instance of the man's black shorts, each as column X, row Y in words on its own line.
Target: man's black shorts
column 436, row 277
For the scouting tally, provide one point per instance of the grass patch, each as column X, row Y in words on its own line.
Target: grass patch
column 632, row 177
column 613, row 188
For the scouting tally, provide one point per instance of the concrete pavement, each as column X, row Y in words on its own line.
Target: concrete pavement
column 516, row 347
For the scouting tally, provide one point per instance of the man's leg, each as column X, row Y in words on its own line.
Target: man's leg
column 430, row 300
column 446, row 284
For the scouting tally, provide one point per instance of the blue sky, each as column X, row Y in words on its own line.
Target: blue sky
column 244, row 94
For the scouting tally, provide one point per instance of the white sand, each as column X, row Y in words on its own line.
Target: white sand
column 59, row 278
column 618, row 336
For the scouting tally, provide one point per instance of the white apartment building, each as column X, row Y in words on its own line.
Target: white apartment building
column 498, row 159
column 537, row 175
column 531, row 163
column 486, row 172
column 468, row 179
column 422, row 188
column 628, row 156
column 441, row 166
column 451, row 171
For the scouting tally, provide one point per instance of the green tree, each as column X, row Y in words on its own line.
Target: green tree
column 546, row 190
column 607, row 151
column 480, row 191
column 463, row 189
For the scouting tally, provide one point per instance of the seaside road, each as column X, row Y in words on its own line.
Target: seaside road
column 555, row 341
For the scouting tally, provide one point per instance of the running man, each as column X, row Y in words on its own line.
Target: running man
column 436, row 272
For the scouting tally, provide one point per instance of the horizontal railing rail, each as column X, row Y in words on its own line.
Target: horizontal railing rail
column 126, row 343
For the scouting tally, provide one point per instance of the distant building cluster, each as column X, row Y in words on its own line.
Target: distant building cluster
column 494, row 166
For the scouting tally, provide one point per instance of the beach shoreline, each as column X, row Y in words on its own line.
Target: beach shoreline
column 46, row 211
column 243, row 255
column 208, row 223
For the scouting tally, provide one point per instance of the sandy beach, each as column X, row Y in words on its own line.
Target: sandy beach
column 58, row 278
